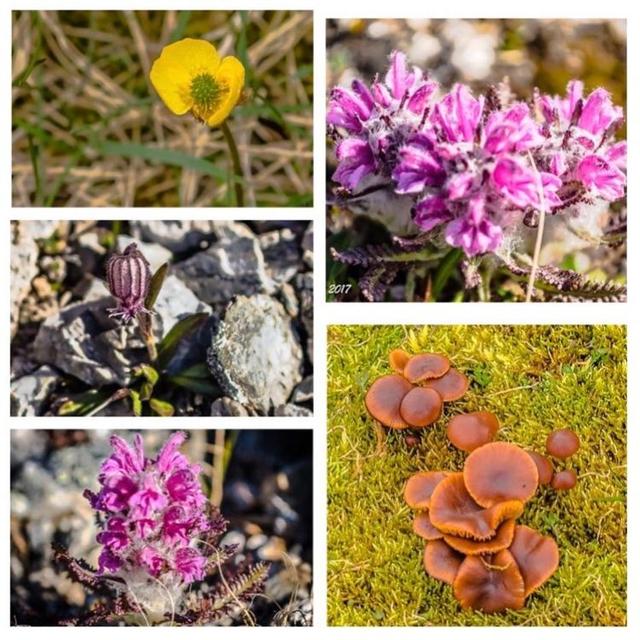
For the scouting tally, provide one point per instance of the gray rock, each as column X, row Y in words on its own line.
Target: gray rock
column 84, row 342
column 304, row 391
column 24, row 260
column 183, row 235
column 27, row 443
column 303, row 284
column 287, row 295
column 292, row 411
column 227, row 407
column 307, row 246
column 155, row 253
column 228, row 268
column 281, row 253
column 255, row 354
column 29, row 393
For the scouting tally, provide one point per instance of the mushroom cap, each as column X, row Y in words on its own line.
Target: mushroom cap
column 421, row 407
column 536, row 555
column 489, row 586
column 398, row 359
column 468, row 431
column 420, row 486
column 502, row 539
column 500, row 471
column 564, row 480
column 384, row 397
column 545, row 467
column 454, row 511
column 424, row 528
column 562, row 443
column 426, row 366
column 441, row 561
column 451, row 386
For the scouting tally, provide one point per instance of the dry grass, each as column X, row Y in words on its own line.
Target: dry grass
column 89, row 130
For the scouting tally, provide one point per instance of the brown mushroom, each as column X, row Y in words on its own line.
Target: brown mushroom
column 420, row 486
column 500, row 471
column 441, row 561
column 451, row 386
column 489, row 586
column 398, row 359
column 421, row 407
column 536, row 555
column 384, row 397
column 453, row 511
column 564, row 480
column 468, row 431
column 426, row 366
column 562, row 443
column 424, row 528
column 545, row 467
column 502, row 539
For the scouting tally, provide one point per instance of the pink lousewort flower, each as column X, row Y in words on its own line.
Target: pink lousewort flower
column 370, row 123
column 128, row 280
column 153, row 512
column 472, row 167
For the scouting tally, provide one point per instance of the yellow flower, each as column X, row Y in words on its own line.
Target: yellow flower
column 190, row 76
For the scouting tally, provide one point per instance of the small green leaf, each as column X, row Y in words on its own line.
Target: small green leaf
column 161, row 407
column 136, row 402
column 196, row 378
column 169, row 344
column 444, row 272
column 148, row 372
column 146, row 391
column 156, row 284
column 82, row 403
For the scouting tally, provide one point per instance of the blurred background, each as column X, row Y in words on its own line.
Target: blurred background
column 89, row 129
column 528, row 52
column 261, row 479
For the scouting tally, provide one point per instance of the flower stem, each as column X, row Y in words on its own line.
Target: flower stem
column 538, row 246
column 235, row 160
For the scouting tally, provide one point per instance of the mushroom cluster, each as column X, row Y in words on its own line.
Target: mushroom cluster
column 413, row 396
column 469, row 518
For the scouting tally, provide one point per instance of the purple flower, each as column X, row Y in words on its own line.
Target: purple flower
column 190, row 564
column 128, row 279
column 431, row 212
column 598, row 113
column 349, row 109
column 515, row 182
column 156, row 511
column 457, row 115
column 418, row 166
column 356, row 161
column 511, row 131
column 601, row 178
column 474, row 232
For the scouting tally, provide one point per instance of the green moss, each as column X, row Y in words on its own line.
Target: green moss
column 535, row 379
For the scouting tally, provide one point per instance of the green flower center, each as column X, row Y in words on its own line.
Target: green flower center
column 206, row 93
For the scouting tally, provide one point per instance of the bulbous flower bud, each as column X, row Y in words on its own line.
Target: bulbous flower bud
column 128, row 279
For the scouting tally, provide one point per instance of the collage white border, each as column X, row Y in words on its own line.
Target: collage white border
column 354, row 313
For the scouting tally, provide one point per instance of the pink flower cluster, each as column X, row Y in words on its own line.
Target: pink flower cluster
column 155, row 511
column 472, row 166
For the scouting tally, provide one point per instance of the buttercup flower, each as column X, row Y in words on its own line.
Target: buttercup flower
column 191, row 77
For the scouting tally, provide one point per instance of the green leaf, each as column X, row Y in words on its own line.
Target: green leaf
column 155, row 285
column 196, row 378
column 146, row 391
column 161, row 407
column 157, row 155
column 181, row 25
column 148, row 372
column 136, row 402
column 169, row 344
column 448, row 264
column 83, row 403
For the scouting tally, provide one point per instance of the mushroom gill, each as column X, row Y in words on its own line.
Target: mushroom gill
column 454, row 511
column 502, row 539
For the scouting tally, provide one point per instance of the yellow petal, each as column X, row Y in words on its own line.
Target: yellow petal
column 179, row 62
column 230, row 73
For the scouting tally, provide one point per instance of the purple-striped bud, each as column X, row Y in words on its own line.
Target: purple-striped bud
column 128, row 279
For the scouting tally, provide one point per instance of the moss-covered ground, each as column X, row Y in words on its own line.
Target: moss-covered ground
column 535, row 379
